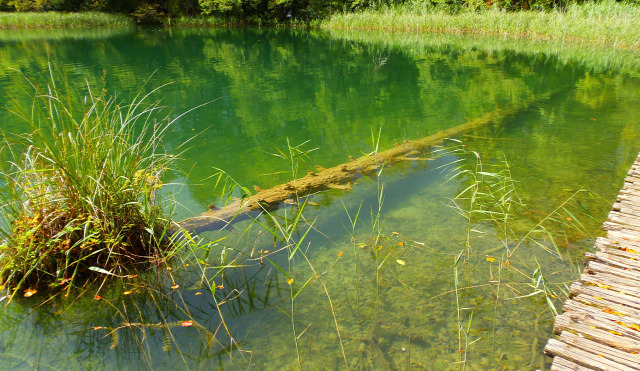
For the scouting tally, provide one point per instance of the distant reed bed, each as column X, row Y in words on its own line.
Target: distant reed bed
column 606, row 22
column 59, row 19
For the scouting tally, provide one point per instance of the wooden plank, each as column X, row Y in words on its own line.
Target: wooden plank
column 561, row 364
column 620, row 329
column 614, row 260
column 616, row 285
column 624, row 235
column 595, row 267
column 577, row 288
column 624, row 219
column 563, row 323
column 605, row 313
column 613, row 226
column 619, row 250
column 613, row 273
column 621, row 357
column 602, row 304
column 608, row 277
column 615, row 244
column 582, row 357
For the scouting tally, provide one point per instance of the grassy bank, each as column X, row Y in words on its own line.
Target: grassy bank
column 59, row 19
column 606, row 23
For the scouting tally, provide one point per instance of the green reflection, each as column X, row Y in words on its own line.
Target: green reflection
column 334, row 90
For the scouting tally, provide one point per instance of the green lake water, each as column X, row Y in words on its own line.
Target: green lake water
column 379, row 303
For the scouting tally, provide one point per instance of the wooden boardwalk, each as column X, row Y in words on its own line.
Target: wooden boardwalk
column 600, row 326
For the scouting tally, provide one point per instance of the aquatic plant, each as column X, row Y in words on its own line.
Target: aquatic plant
column 80, row 190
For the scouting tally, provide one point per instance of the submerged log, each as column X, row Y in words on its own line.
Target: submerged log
column 340, row 176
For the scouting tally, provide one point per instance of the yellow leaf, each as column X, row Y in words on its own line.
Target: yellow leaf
column 175, row 286
column 220, row 287
column 97, row 328
column 127, row 292
column 615, row 332
column 198, row 293
column 401, row 262
column 603, row 286
column 400, row 243
column 29, row 292
column 186, row 324
column 290, row 281
column 340, row 254
column 611, row 311
column 490, row 259
column 97, row 297
column 597, row 297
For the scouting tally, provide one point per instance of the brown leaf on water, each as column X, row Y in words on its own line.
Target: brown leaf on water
column 29, row 292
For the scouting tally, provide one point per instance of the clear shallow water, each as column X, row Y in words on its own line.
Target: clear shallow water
column 270, row 85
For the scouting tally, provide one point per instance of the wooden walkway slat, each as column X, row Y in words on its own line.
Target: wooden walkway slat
column 600, row 326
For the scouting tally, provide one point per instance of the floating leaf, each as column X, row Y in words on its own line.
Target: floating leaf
column 127, row 292
column 401, row 262
column 186, row 324
column 490, row 259
column 290, row 281
column 169, row 268
column 97, row 297
column 220, row 287
column 29, row 292
column 198, row 293
column 400, row 243
column 175, row 286
column 97, row 328
column 340, row 254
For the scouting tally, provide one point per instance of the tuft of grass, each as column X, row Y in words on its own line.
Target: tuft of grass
column 60, row 19
column 605, row 22
column 79, row 191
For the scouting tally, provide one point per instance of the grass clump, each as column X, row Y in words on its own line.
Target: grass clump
column 79, row 192
column 60, row 19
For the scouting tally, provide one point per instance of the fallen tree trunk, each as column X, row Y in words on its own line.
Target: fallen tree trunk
column 339, row 177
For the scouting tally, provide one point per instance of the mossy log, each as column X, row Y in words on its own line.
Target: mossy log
column 340, row 176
